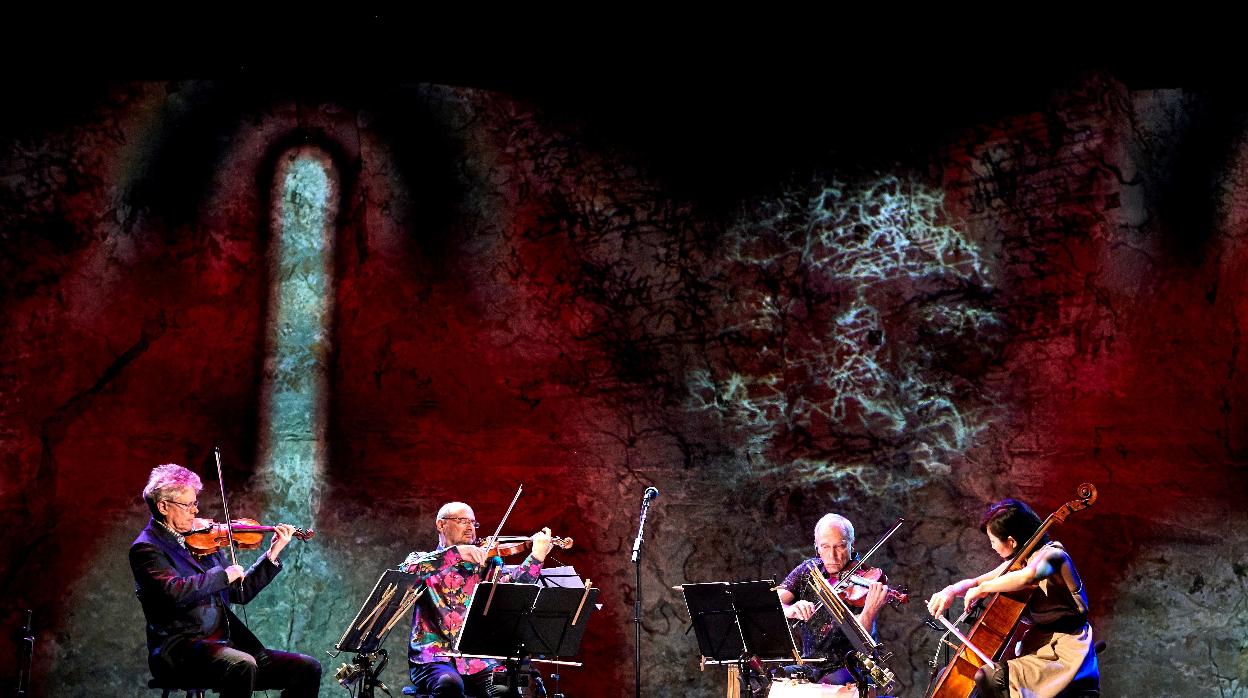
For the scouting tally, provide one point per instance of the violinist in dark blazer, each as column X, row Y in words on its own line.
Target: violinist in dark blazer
column 192, row 635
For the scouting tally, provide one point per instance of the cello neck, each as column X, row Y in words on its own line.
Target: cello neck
column 1087, row 497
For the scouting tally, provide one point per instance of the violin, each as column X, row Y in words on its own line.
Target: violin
column 855, row 594
column 208, row 536
column 504, row 546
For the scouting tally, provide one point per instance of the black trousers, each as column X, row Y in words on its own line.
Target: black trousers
column 236, row 673
column 444, row 681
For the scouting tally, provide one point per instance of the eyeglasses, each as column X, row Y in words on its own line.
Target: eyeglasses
column 462, row 520
column 188, row 506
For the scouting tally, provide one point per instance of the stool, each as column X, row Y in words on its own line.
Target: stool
column 167, row 686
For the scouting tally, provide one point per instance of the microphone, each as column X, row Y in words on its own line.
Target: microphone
column 650, row 494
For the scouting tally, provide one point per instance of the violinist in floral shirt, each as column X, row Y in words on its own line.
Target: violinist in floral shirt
column 450, row 573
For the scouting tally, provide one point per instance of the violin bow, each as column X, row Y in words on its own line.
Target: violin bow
column 494, row 537
column 225, row 506
column 489, row 543
column 843, row 578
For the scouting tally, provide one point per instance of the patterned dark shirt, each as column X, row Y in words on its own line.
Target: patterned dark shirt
column 821, row 636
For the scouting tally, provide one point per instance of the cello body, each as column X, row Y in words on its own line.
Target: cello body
column 991, row 633
column 1002, row 612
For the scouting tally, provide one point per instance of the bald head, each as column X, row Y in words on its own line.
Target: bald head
column 456, row 524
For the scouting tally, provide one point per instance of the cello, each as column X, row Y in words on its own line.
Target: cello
column 988, row 638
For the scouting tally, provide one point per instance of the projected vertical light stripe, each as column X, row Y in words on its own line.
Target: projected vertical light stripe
column 292, row 458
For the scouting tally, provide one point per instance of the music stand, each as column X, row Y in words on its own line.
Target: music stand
column 558, row 620
column 739, row 621
column 389, row 603
column 521, row 623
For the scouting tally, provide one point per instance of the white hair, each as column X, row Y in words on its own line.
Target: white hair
column 165, row 479
column 830, row 520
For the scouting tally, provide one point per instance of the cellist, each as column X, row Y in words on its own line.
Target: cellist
column 1056, row 650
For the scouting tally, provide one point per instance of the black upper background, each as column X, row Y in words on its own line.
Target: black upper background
column 719, row 104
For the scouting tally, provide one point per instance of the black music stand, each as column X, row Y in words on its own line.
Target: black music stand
column 520, row 623
column 736, row 622
column 388, row 606
column 558, row 620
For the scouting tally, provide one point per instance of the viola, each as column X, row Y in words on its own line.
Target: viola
column 854, row 593
column 868, row 653
column 505, row 546
column 208, row 536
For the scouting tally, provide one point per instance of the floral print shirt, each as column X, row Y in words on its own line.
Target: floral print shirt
column 439, row 615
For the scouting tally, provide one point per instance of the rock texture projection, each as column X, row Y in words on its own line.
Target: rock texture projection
column 499, row 291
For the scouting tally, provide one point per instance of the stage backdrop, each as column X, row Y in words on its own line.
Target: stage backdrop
column 376, row 299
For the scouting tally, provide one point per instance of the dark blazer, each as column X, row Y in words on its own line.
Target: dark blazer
column 182, row 595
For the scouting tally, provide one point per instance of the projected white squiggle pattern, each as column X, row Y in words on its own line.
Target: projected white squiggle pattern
column 843, row 284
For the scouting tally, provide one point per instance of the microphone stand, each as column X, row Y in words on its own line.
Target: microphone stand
column 25, row 655
column 651, row 493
